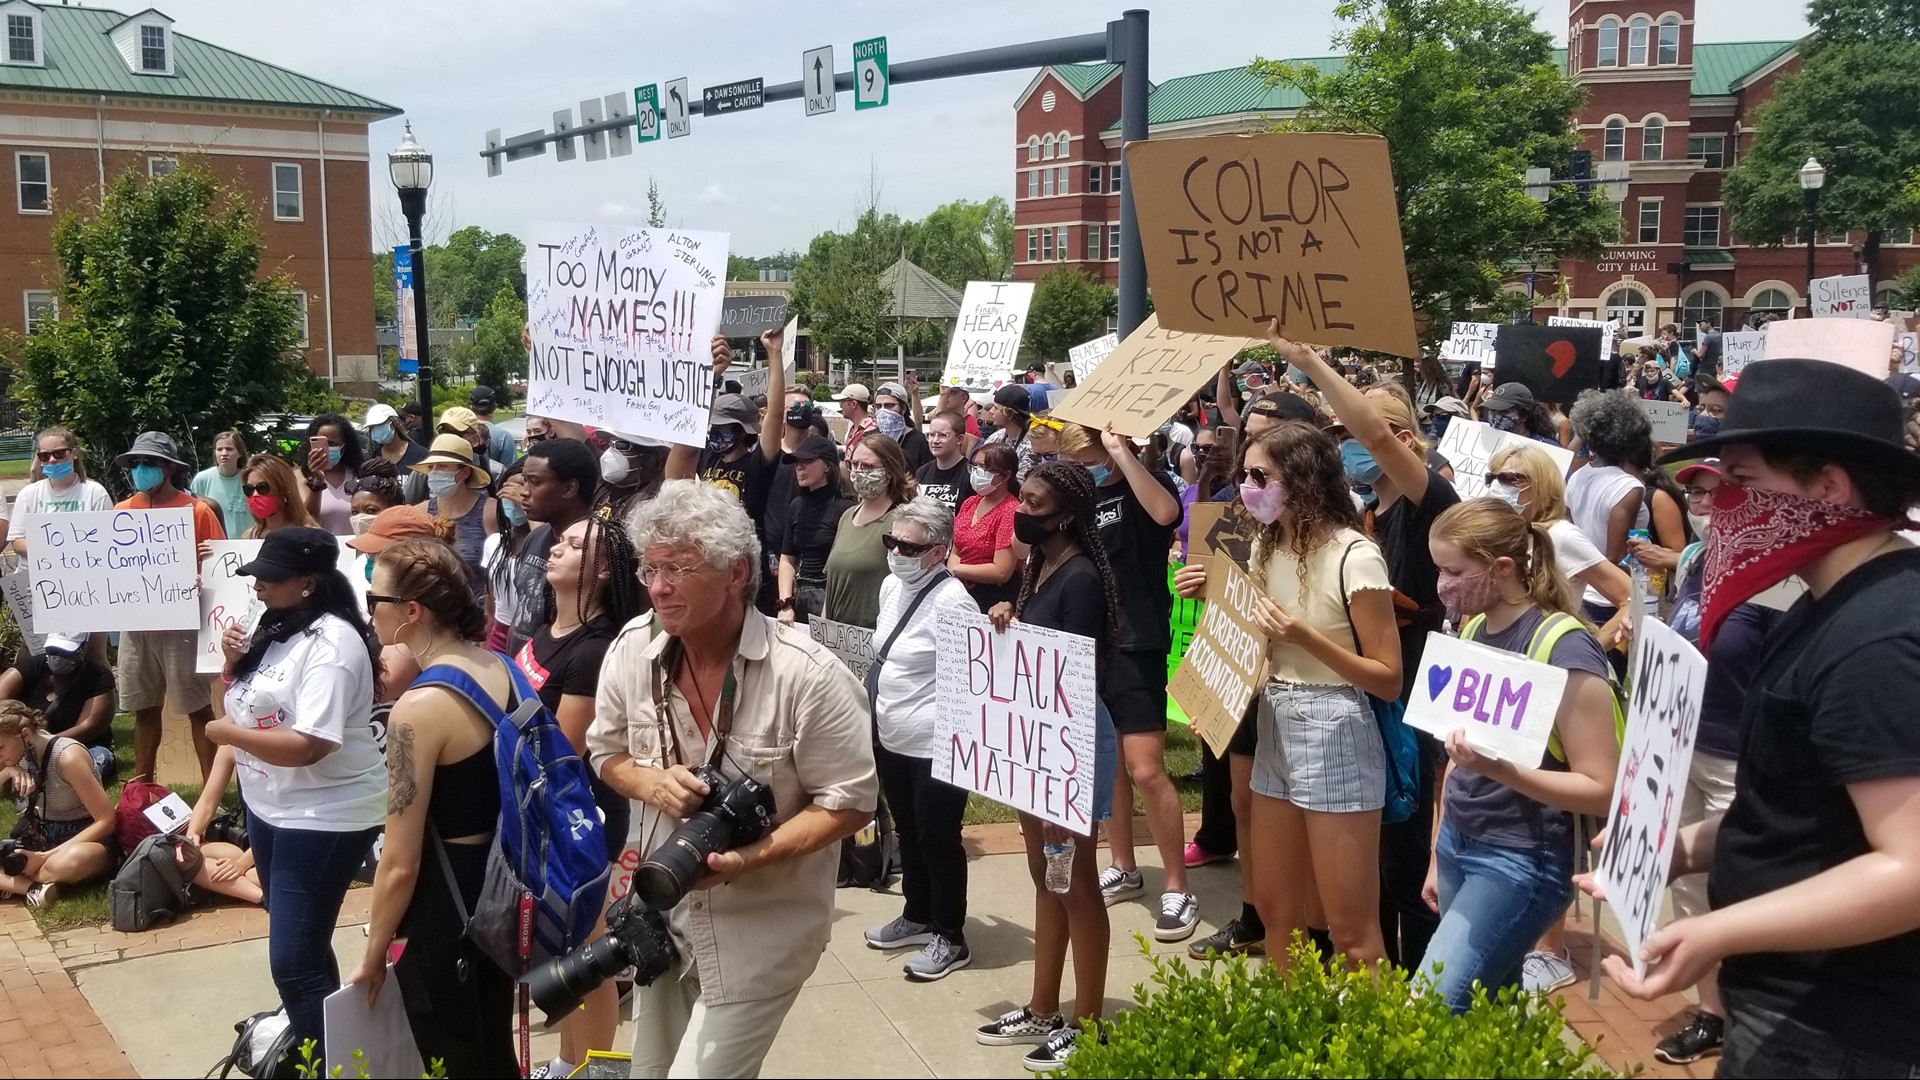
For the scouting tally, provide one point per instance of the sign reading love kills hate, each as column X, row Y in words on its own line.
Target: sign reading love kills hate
column 621, row 325
column 1505, row 702
column 113, row 570
column 1295, row 226
column 1143, row 382
column 1016, row 717
column 1227, row 660
column 986, row 341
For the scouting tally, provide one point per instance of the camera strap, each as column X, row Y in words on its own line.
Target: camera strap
column 671, row 658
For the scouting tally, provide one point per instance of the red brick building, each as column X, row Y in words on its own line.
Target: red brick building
column 1677, row 114
column 87, row 93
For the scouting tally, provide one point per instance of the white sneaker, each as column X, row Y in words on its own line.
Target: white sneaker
column 1545, row 972
column 1179, row 914
column 1117, row 884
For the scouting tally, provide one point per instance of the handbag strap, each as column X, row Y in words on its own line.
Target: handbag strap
column 446, row 871
column 46, row 766
column 880, row 655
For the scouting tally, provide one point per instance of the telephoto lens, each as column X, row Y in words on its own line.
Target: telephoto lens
column 735, row 812
column 636, row 935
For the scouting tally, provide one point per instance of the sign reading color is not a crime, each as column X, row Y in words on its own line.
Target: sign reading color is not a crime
column 1143, row 382
column 1298, row 226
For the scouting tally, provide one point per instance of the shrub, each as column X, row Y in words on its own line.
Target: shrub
column 1230, row 1019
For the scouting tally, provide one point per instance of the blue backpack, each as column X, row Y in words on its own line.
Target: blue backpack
column 549, row 859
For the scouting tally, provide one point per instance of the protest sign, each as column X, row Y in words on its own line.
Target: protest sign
column 751, row 316
column 1227, row 662
column 1212, row 529
column 1555, row 362
column 226, row 595
column 986, row 340
column 1083, row 358
column 1663, row 717
column 1669, row 420
column 1470, row 341
column 1016, row 717
column 1739, row 349
column 1146, row 379
column 1470, row 446
column 1843, row 296
column 852, row 644
column 1181, row 625
column 621, row 324
column 1505, row 702
column 14, row 584
column 1909, row 343
column 1296, row 226
column 1861, row 344
column 113, row 570
column 1607, row 342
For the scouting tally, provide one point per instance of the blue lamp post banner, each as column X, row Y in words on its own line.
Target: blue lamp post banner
column 403, row 309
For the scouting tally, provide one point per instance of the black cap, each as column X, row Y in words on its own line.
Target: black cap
column 481, row 399
column 815, row 448
column 293, row 551
column 1283, row 407
column 1013, row 396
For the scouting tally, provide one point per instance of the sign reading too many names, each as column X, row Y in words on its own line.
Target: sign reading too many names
column 986, row 343
column 113, row 570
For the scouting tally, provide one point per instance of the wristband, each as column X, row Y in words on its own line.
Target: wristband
column 785, row 604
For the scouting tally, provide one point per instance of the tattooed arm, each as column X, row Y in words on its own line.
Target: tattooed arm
column 415, row 738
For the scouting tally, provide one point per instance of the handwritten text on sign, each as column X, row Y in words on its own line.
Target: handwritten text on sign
column 1302, row 227
column 1145, row 380
column 1016, row 717
column 1846, row 296
column 227, row 596
column 1605, row 328
column 1663, row 718
column 1505, row 702
column 852, row 644
column 14, row 583
column 1227, row 661
column 1086, row 356
column 1739, row 349
column 1861, row 344
column 986, row 341
column 1472, row 447
column 113, row 570
column 1470, row 341
column 621, row 324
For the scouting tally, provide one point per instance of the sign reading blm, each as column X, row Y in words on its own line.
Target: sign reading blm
column 621, row 325
column 1295, row 226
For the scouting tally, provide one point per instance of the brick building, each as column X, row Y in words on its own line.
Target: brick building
column 1678, row 114
column 87, row 93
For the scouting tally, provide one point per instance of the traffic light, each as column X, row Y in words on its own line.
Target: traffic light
column 1580, row 170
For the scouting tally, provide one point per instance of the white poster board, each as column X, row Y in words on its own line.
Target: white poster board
column 1505, row 702
column 1470, row 341
column 1605, row 328
column 1861, row 344
column 1087, row 355
column 18, row 590
column 113, row 570
column 1909, row 343
column 1739, row 349
column 1016, row 717
column 1843, row 296
column 381, row 1033
column 621, row 324
column 1669, row 420
column 986, row 340
column 226, row 595
column 1470, row 446
column 1663, row 719
column 852, row 644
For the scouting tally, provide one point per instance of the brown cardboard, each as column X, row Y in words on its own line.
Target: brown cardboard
column 1211, row 527
column 1145, row 381
column 1301, row 226
column 1226, row 664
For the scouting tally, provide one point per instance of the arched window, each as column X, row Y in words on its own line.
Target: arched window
column 1630, row 307
column 1607, row 49
column 1613, row 145
column 1637, row 41
column 1703, row 304
column 1066, row 141
column 1046, row 148
column 1653, row 139
column 1033, row 148
column 1773, row 302
column 1669, row 47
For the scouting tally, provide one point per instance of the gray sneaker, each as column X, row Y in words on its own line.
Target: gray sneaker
column 941, row 957
column 899, row 934
column 1117, row 884
column 1179, row 914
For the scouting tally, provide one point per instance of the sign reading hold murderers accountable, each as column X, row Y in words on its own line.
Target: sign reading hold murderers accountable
column 621, row 325
column 1663, row 717
column 1471, row 447
column 1295, row 226
column 1143, row 382
column 113, row 570
column 1227, row 661
column 986, row 342
column 1016, row 717
column 1505, row 702
column 1844, row 296
column 852, row 644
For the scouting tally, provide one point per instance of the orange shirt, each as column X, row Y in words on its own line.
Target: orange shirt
column 205, row 525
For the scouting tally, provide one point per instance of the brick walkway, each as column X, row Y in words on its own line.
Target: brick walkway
column 46, row 1026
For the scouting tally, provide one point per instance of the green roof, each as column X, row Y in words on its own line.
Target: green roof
column 81, row 58
column 1716, row 68
column 1083, row 77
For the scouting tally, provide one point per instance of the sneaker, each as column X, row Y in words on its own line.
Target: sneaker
column 901, row 933
column 1053, row 1053
column 1545, row 972
column 941, row 957
column 1020, row 1026
column 1179, row 914
column 1228, row 940
column 1117, row 884
column 42, row 894
column 1703, row 1035
column 1199, row 856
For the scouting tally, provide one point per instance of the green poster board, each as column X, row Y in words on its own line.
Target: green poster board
column 1184, row 624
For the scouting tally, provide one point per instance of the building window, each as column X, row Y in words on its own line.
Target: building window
column 35, row 182
column 1060, row 243
column 1033, row 148
column 153, row 48
column 1669, row 42
column 1117, row 175
column 1046, row 245
column 23, row 43
column 41, row 307
column 1653, row 139
column 1902, row 237
column 1649, row 232
column 1093, row 179
column 1613, row 145
column 1772, row 302
column 1628, row 306
column 1046, row 181
column 287, row 204
column 162, row 166
column 1046, row 148
column 1709, row 150
column 1637, row 41
column 1063, row 180
column 1033, row 183
column 1698, row 306
column 1607, row 44
column 1835, row 239
column 300, row 310
column 1883, row 298
column 1033, row 246
column 1066, row 141
column 1703, row 226
column 1093, row 243
column 1113, row 241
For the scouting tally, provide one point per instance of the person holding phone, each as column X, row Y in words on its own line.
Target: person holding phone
column 333, row 459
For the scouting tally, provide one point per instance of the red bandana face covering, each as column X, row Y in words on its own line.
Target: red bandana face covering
column 1761, row 538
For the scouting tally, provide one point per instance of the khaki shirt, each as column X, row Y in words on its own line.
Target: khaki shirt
column 801, row 726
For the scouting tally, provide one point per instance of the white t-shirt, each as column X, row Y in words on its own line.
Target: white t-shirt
column 1571, row 548
column 905, row 709
column 40, row 497
column 1592, row 493
column 321, row 683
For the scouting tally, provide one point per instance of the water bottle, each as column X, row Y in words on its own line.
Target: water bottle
column 1650, row 584
column 1059, row 865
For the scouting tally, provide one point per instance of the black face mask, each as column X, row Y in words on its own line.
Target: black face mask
column 62, row 665
column 1032, row 529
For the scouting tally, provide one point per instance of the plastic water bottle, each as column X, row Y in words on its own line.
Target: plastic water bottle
column 1059, row 865
column 1650, row 584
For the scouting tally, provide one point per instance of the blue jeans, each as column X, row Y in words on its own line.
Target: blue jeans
column 1495, row 902
column 304, row 874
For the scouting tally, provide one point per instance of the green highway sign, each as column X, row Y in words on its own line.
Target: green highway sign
column 646, row 113
column 870, row 73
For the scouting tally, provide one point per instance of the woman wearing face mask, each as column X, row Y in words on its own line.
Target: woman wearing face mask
column 273, row 498
column 390, row 444
column 60, row 486
column 333, row 459
column 985, row 553
column 221, row 481
column 377, row 488
column 1215, row 456
column 946, row 477
column 1529, row 481
column 500, row 554
column 857, row 562
column 1503, row 856
column 457, row 492
column 1511, row 408
column 813, row 519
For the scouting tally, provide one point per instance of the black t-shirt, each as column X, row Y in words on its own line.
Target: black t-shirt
column 1071, row 599
column 811, row 524
column 1831, row 704
column 950, row 486
column 1137, row 549
column 568, row 665
column 63, row 709
column 528, row 579
column 1401, row 530
column 748, row 479
column 780, row 492
column 914, row 445
column 1709, row 362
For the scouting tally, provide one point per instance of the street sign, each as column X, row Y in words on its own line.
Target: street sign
column 562, row 123
column 646, row 113
column 732, row 97
column 1615, row 175
column 1539, row 184
column 677, row 109
column 620, row 139
column 596, row 141
column 870, row 78
column 816, row 80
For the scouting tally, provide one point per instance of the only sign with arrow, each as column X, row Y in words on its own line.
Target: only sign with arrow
column 816, row 77
column 676, row 113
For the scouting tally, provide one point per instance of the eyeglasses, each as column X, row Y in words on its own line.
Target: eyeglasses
column 256, row 489
column 904, row 547
column 1260, row 477
column 374, row 600
column 1511, row 479
column 1699, row 493
column 538, row 436
column 665, row 575
column 48, row 457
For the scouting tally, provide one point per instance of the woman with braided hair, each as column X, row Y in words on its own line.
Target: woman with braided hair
column 1066, row 568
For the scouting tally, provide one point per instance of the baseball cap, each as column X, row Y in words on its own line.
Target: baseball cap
column 459, row 418
column 1251, row 367
column 1511, row 395
column 392, row 525
column 1450, row 405
column 854, row 391
column 734, row 409
column 1284, row 407
column 1013, row 396
column 481, row 399
column 290, row 552
column 1704, row 465
column 892, row 390
column 814, row 448
column 381, row 414
column 67, row 645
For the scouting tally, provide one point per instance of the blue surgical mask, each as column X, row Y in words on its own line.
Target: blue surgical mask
column 147, row 477
column 514, row 514
column 1440, row 422
column 333, row 457
column 1358, row 462
column 441, row 484
column 58, row 470
column 1101, row 473
column 1706, row 427
column 381, row 434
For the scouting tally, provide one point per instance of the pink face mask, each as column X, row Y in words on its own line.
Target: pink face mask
column 1468, row 594
column 1266, row 504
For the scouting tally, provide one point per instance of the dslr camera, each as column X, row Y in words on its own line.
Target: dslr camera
column 13, row 858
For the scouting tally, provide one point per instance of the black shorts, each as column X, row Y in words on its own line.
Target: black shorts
column 1136, row 692
column 1246, row 738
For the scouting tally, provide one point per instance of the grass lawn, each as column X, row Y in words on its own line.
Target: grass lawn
column 1183, row 761
column 15, row 470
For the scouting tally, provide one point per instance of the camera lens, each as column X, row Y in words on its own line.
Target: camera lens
column 558, row 985
column 679, row 864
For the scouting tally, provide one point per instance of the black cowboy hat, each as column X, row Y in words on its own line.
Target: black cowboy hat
column 1813, row 405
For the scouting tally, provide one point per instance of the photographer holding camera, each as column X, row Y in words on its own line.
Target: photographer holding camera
column 703, row 712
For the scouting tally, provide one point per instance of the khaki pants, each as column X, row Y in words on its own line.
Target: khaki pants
column 675, row 1035
column 1709, row 792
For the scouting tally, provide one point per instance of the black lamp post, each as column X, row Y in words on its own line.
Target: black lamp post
column 412, row 170
column 1813, row 177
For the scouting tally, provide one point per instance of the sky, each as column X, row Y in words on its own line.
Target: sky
column 772, row 178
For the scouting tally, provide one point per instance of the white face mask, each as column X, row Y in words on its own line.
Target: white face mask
column 907, row 569
column 980, row 478
column 362, row 522
column 1507, row 493
column 441, row 484
column 613, row 466
column 1701, row 523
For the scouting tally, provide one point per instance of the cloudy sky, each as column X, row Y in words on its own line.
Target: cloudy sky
column 772, row 178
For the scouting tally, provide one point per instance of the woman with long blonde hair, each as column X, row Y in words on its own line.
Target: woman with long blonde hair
column 1528, row 480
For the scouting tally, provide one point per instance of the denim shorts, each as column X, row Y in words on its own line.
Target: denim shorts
column 1762, row 1042
column 1495, row 902
column 1320, row 749
column 1106, row 761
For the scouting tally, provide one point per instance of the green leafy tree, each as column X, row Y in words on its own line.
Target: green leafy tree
column 165, row 322
column 468, row 271
column 656, row 206
column 964, row 241
column 497, row 359
column 1069, row 306
column 1469, row 97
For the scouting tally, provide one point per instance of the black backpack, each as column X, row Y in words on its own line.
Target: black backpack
column 151, row 887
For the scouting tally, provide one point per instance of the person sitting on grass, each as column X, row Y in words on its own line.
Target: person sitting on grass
column 66, row 832
column 226, row 869
column 74, row 693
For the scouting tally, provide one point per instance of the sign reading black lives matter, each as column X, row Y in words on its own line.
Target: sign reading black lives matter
column 621, row 325
column 1298, row 226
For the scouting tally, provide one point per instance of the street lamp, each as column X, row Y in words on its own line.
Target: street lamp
column 1813, row 177
column 411, row 168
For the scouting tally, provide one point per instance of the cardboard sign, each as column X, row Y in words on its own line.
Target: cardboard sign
column 986, row 341
column 621, row 325
column 1861, row 344
column 751, row 316
column 1213, row 530
column 1909, row 343
column 1505, row 702
column 1227, row 662
column 113, row 570
column 1016, row 717
column 1083, row 358
column 1472, row 446
column 18, row 590
column 1669, row 420
column 852, row 644
column 1844, row 296
column 1298, row 226
column 756, row 381
column 1144, row 381
column 1470, row 341
column 1607, row 342
column 1663, row 718
column 1739, row 349
column 226, row 595
column 1555, row 362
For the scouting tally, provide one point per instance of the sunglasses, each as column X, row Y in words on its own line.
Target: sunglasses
column 1260, row 477
column 48, row 457
column 1511, row 479
column 374, row 600
column 256, row 489
column 904, row 547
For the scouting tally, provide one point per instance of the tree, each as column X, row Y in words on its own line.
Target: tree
column 964, row 241
column 656, row 206
column 1069, row 307
column 164, row 320
column 1469, row 97
column 838, row 294
column 747, row 267
column 497, row 357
